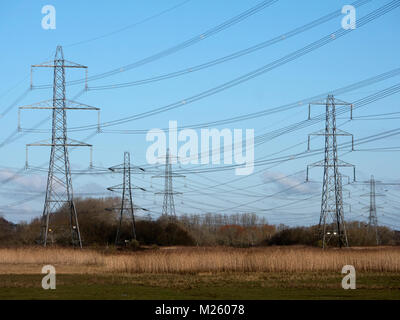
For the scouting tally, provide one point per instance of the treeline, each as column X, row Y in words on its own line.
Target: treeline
column 98, row 226
column 358, row 234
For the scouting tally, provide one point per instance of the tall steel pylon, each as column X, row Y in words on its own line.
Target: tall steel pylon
column 372, row 225
column 372, row 212
column 168, row 209
column 331, row 224
column 59, row 192
column 373, row 219
column 127, row 206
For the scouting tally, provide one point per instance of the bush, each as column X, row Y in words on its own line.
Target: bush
column 147, row 232
column 293, row 236
column 175, row 235
column 133, row 244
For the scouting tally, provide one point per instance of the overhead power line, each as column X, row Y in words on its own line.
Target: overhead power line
column 210, row 32
column 235, row 55
column 147, row 19
column 254, row 115
column 294, row 55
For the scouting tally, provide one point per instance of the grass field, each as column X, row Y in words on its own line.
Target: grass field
column 201, row 273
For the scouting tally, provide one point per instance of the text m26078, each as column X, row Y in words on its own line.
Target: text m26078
column 221, row 309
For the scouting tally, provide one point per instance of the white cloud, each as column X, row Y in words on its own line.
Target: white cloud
column 29, row 183
column 296, row 183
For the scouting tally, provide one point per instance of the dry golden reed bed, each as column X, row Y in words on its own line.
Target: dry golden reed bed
column 195, row 260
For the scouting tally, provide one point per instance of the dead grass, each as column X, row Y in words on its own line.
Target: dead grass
column 200, row 260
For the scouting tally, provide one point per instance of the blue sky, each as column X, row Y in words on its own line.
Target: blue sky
column 368, row 51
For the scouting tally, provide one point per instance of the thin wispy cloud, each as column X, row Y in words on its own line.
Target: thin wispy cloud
column 295, row 184
column 29, row 182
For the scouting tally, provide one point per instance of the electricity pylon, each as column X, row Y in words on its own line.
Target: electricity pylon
column 331, row 223
column 168, row 209
column 372, row 217
column 127, row 207
column 59, row 193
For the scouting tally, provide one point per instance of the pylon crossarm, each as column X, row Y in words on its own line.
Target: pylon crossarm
column 122, row 187
column 341, row 163
column 175, row 175
column 117, row 168
column 168, row 193
column 51, row 64
column 323, row 133
column 120, row 168
column 42, row 64
column 46, row 104
column 318, row 133
column 48, row 143
column 76, row 143
column 49, row 105
column 69, row 105
column 119, row 208
column 317, row 164
column 329, row 101
column 74, row 105
column 338, row 102
column 331, row 134
column 74, row 65
column 376, row 195
column 40, row 143
column 340, row 132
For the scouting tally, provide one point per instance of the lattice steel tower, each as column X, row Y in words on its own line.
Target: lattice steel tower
column 373, row 218
column 168, row 209
column 59, row 192
column 127, row 207
column 372, row 212
column 331, row 223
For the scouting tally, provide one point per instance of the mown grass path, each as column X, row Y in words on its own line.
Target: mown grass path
column 202, row 286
